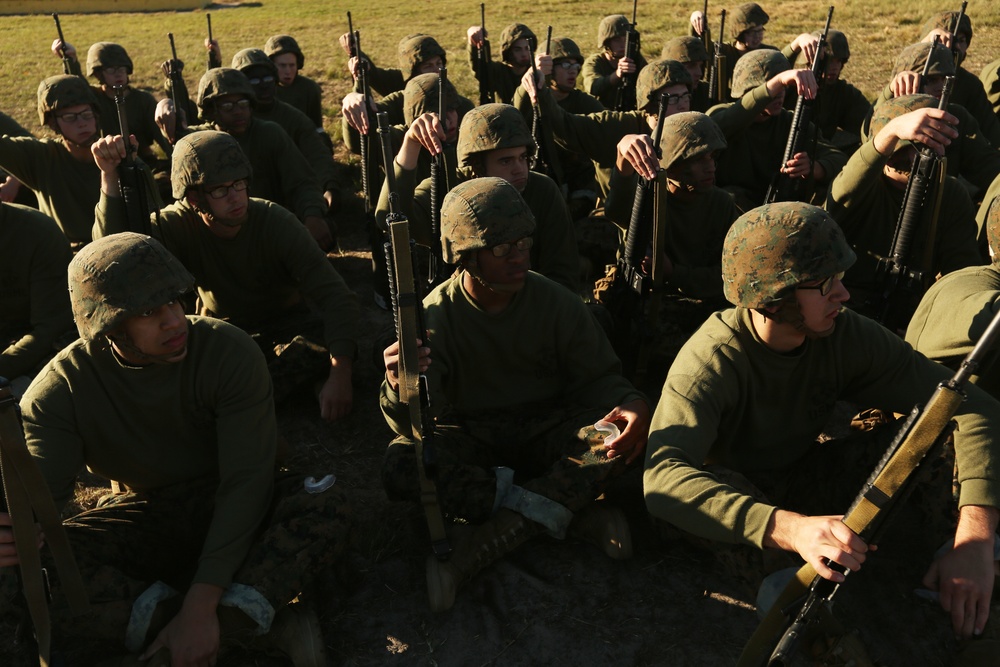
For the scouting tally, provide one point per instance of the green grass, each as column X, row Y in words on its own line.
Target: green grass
column 877, row 31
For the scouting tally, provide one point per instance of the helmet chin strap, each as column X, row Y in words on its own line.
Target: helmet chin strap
column 121, row 343
column 790, row 312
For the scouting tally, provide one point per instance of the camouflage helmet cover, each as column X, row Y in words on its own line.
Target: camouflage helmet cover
column 615, row 25
column 247, row 58
column 747, row 16
column 756, row 68
column 943, row 21
column 688, row 135
column 224, row 81
column 207, row 158
column 421, row 96
column 414, row 50
column 993, row 228
column 107, row 54
column 771, row 249
column 120, row 276
column 277, row 45
column 514, row 32
column 685, row 50
column 895, row 107
column 656, row 75
column 481, row 213
column 489, row 127
column 836, row 46
column 564, row 48
column 913, row 58
column 61, row 92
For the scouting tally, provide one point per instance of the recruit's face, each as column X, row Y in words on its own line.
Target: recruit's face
column 697, row 173
column 228, row 202
column 288, row 68
column 77, row 124
column 160, row 334
column 510, row 270
column 233, row 113
column 819, row 311
column 565, row 73
column 114, row 76
column 510, row 164
column 520, row 53
column 696, row 68
column 432, row 65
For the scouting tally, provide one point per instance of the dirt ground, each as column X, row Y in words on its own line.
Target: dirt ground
column 549, row 602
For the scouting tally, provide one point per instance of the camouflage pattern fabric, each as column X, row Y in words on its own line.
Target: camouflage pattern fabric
column 514, row 32
column 771, row 249
column 688, row 135
column 119, row 276
column 224, row 81
column 207, row 158
column 836, row 46
column 656, row 75
column 107, row 54
column 992, row 225
column 414, row 50
column 421, row 96
column 481, row 213
column 747, row 16
column 489, row 127
column 60, row 92
column 249, row 57
column 131, row 540
column 564, row 48
column 277, row 45
column 616, row 25
column 943, row 21
column 685, row 50
column 555, row 453
column 756, row 68
column 913, row 58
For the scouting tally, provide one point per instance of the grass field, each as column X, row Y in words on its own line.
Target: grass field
column 877, row 30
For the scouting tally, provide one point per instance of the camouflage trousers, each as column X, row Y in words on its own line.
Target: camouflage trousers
column 825, row 482
column 554, row 453
column 132, row 540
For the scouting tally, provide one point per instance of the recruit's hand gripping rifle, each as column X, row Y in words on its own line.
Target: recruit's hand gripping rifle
column 542, row 163
column 214, row 59
column 718, row 87
column 66, row 60
column 625, row 97
column 783, row 187
column 26, row 498
column 178, row 89
column 901, row 283
column 131, row 179
column 408, row 311
column 484, row 59
column 800, row 603
column 363, row 64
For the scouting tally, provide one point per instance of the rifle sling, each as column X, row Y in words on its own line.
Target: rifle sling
column 932, row 422
column 409, row 377
column 28, row 497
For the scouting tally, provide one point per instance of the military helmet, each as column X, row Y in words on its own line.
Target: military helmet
column 247, row 58
column 492, row 126
column 564, row 48
column 992, row 223
column 895, row 107
column 836, row 46
column 687, row 135
column 61, row 92
column 107, row 54
column 414, row 50
column 755, row 68
column 481, row 213
column 914, row 57
column 421, row 96
column 206, row 158
column 771, row 249
column 514, row 32
column 685, row 50
column 277, row 45
column 616, row 25
column 224, row 81
column 943, row 21
column 656, row 75
column 120, row 276
column 747, row 16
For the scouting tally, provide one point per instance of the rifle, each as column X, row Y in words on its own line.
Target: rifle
column 901, row 283
column 718, row 87
column 632, row 284
column 925, row 429
column 131, row 180
column 26, row 496
column 366, row 188
column 706, row 35
column 67, row 62
column 213, row 60
column 178, row 91
column 783, row 187
column 408, row 314
column 439, row 186
column 955, row 25
column 483, row 61
column 542, row 164
column 625, row 97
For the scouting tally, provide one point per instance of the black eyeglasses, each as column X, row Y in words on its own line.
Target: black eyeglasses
column 256, row 81
column 674, row 100
column 503, row 249
column 826, row 286
column 220, row 191
column 229, row 106
column 570, row 64
column 73, row 117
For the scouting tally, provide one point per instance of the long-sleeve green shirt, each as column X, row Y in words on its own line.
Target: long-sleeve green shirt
column 270, row 266
column 307, row 140
column 729, row 400
column 34, row 301
column 544, row 347
column 305, row 95
column 503, row 81
column 140, row 109
column 597, row 81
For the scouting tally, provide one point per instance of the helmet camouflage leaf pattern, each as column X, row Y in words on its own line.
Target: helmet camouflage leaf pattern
column 421, row 96
column 481, row 213
column 756, row 68
column 277, row 45
column 207, row 158
column 107, row 54
column 414, row 50
column 224, row 81
column 687, row 135
column 616, row 25
column 62, row 92
column 656, row 75
column 685, row 50
column 247, row 58
column 492, row 126
column 747, row 16
column 564, row 48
